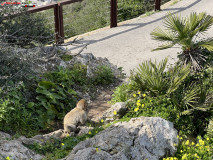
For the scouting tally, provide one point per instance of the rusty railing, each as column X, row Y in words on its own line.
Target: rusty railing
column 58, row 15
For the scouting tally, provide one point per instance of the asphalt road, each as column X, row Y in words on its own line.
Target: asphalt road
column 130, row 44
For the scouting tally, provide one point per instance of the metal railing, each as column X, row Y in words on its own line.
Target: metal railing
column 59, row 20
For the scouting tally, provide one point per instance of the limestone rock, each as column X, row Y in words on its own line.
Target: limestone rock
column 4, row 136
column 139, row 139
column 41, row 139
column 16, row 151
column 120, row 108
column 84, row 130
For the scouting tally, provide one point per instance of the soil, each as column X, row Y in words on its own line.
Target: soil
column 101, row 103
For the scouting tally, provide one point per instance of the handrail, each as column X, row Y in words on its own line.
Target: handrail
column 58, row 15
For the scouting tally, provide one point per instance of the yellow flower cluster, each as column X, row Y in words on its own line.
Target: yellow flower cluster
column 138, row 105
column 181, row 138
column 136, row 109
column 139, row 93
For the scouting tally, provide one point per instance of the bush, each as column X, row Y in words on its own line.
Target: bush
column 103, row 75
column 175, row 95
column 15, row 115
column 194, row 149
column 152, row 77
column 120, row 94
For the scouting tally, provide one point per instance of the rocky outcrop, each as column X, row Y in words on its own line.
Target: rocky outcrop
column 4, row 136
column 44, row 59
column 139, row 139
column 93, row 63
column 114, row 112
column 16, row 151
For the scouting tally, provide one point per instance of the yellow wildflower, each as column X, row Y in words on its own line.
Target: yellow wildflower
column 102, row 121
column 187, row 142
column 142, row 105
column 139, row 101
column 115, row 112
column 67, row 135
column 8, row 158
column 181, row 138
column 62, row 144
column 181, row 151
column 134, row 95
column 178, row 136
column 207, row 138
column 89, row 132
column 184, row 156
column 150, row 100
column 196, row 155
column 136, row 109
column 144, row 95
column 193, row 143
column 138, row 104
column 96, row 149
column 139, row 92
column 201, row 142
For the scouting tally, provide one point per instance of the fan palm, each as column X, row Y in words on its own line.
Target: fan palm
column 153, row 77
column 186, row 32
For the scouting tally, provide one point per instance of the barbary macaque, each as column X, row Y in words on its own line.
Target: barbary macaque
column 76, row 115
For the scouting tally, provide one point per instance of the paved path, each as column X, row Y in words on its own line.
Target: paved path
column 129, row 44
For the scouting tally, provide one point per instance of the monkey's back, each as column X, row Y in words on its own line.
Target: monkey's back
column 73, row 116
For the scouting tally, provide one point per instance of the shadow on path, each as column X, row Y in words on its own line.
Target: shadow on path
column 137, row 25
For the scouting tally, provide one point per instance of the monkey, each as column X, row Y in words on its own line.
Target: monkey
column 76, row 115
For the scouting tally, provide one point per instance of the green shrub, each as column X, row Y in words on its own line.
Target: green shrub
column 152, row 77
column 103, row 75
column 53, row 102
column 199, row 148
column 176, row 95
column 15, row 115
column 120, row 94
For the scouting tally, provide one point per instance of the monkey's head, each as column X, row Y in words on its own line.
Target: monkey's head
column 82, row 104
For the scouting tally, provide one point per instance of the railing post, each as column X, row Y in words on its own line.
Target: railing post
column 113, row 13
column 56, row 18
column 61, row 23
column 157, row 5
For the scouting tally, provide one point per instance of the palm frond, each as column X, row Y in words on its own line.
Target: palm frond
column 178, row 76
column 175, row 24
column 165, row 46
column 191, row 96
column 151, row 76
column 162, row 35
column 205, row 22
column 208, row 44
